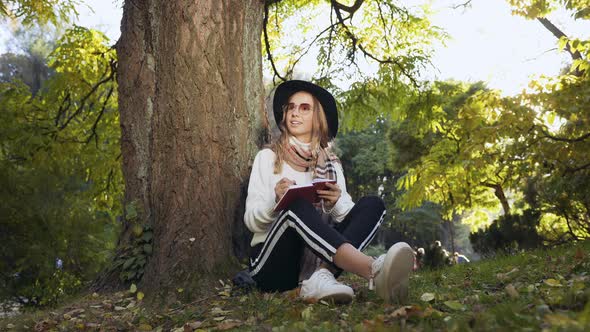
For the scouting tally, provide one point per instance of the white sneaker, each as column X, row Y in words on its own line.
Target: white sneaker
column 323, row 286
column 391, row 273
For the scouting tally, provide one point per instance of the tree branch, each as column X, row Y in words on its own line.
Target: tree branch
column 563, row 139
column 95, row 124
column 266, row 42
column 349, row 9
column 355, row 43
column 464, row 5
column 559, row 34
column 579, row 168
column 85, row 98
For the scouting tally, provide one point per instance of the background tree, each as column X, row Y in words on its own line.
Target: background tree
column 60, row 178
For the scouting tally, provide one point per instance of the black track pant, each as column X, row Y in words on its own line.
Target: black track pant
column 275, row 263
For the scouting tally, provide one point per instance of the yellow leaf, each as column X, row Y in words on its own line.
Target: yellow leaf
column 139, row 296
column 145, row 327
column 133, row 288
column 552, row 283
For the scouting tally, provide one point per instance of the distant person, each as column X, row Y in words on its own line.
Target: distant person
column 419, row 261
column 298, row 238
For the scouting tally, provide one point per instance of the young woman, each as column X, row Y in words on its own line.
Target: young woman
column 324, row 238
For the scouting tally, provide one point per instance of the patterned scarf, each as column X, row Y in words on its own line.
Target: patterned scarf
column 299, row 156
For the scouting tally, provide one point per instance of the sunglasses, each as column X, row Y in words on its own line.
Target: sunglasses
column 304, row 108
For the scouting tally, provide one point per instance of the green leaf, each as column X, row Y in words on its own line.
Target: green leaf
column 455, row 305
column 147, row 236
column 133, row 288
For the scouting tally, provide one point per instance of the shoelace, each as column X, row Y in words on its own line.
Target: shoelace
column 325, row 275
column 375, row 269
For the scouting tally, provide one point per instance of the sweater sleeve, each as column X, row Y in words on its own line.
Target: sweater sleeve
column 344, row 203
column 260, row 201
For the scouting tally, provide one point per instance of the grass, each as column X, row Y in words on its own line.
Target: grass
column 543, row 290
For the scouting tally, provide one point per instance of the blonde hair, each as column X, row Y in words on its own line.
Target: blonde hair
column 319, row 136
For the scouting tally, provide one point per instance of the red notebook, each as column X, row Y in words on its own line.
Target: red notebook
column 306, row 191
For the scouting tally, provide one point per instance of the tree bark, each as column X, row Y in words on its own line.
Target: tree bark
column 192, row 118
column 499, row 192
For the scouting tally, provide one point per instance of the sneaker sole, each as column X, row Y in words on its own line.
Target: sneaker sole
column 398, row 265
column 339, row 298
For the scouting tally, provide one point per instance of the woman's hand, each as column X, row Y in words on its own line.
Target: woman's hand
column 331, row 195
column 281, row 188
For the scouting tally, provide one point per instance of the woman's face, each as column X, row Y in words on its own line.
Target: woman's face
column 299, row 116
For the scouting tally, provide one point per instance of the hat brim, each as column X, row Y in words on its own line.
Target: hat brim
column 286, row 89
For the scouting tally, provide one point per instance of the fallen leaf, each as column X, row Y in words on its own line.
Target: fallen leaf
column 511, row 290
column 401, row 312
column 145, row 327
column 552, row 283
column 194, row 325
column 230, row 324
column 307, row 313
column 506, row 276
column 117, row 308
column 430, row 311
column 219, row 311
column 95, row 294
column 133, row 288
column 427, row 297
column 455, row 305
column 219, row 319
column 67, row 317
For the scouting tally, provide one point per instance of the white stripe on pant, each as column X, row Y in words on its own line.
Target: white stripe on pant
column 276, row 265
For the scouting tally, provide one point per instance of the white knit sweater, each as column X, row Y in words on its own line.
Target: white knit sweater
column 260, row 202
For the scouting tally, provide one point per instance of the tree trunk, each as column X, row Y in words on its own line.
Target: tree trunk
column 192, row 118
column 499, row 193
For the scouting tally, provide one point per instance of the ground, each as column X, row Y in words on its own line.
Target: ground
column 543, row 290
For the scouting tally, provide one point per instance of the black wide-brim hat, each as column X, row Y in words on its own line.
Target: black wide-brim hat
column 286, row 89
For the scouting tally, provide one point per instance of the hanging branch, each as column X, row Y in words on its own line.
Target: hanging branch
column 267, row 43
column 563, row 139
column 329, row 28
column 464, row 5
column 356, row 43
column 110, row 77
column 95, row 124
